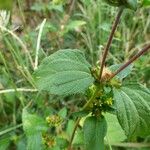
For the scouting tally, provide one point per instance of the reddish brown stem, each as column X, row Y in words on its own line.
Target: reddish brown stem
column 73, row 133
column 144, row 50
column 114, row 27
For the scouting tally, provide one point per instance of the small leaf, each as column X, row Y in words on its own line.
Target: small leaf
column 132, row 105
column 75, row 24
column 124, row 73
column 33, row 127
column 95, row 129
column 63, row 112
column 64, row 72
column 132, row 4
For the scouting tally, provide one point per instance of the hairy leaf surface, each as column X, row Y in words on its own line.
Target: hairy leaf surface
column 133, row 109
column 64, row 72
column 95, row 129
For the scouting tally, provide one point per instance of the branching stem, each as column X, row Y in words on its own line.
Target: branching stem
column 114, row 27
column 143, row 51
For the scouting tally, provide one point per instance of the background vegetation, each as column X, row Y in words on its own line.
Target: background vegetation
column 33, row 29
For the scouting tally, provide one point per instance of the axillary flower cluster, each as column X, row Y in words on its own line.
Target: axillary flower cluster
column 100, row 94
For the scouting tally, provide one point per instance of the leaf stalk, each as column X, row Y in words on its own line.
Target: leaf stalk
column 114, row 27
column 140, row 53
column 78, row 120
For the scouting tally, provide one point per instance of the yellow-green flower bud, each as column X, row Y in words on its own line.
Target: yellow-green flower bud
column 54, row 120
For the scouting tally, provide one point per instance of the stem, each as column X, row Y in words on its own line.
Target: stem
column 18, row 90
column 144, row 50
column 132, row 145
column 114, row 27
column 78, row 120
column 10, row 129
column 38, row 44
column 20, row 42
column 71, row 7
column 73, row 133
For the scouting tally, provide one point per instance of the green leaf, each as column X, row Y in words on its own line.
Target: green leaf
column 78, row 138
column 70, row 127
column 132, row 4
column 124, row 73
column 63, row 112
column 34, row 142
column 133, row 106
column 38, row 7
column 55, row 7
column 95, row 129
column 62, row 143
column 21, row 144
column 146, row 3
column 33, row 127
column 55, row 148
column 6, row 4
column 4, row 143
column 74, row 24
column 115, row 133
column 64, row 72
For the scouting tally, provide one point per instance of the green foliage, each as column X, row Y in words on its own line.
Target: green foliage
column 74, row 24
column 57, row 2
column 4, row 143
column 84, row 24
column 115, row 133
column 62, row 143
column 132, row 4
column 6, row 4
column 64, row 72
column 78, row 139
column 146, row 2
column 95, row 129
column 63, row 113
column 132, row 106
column 33, row 127
column 44, row 7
